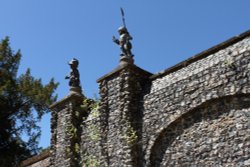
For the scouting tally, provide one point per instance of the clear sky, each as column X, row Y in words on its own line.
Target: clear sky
column 52, row 32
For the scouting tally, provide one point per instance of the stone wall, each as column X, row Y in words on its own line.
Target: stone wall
column 172, row 96
column 188, row 115
column 121, row 116
column 214, row 134
column 66, row 130
column 196, row 113
column 91, row 140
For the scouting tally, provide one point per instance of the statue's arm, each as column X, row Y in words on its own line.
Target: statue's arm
column 116, row 40
column 129, row 37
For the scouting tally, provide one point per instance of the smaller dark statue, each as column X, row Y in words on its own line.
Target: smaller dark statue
column 124, row 41
column 74, row 76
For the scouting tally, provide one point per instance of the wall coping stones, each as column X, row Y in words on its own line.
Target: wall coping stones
column 202, row 55
column 35, row 158
column 66, row 99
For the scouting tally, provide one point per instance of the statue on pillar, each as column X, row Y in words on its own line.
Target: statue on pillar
column 74, row 76
column 124, row 40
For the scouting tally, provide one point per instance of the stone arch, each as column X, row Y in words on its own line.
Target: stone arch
column 208, row 111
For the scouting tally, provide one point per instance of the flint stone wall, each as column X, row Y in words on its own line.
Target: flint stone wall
column 193, row 114
column 200, row 88
column 121, row 116
column 196, row 113
column 66, row 130
column 90, row 139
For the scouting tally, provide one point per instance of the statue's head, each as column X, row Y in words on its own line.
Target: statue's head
column 74, row 63
column 122, row 30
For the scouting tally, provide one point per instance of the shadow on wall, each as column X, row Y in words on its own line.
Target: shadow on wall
column 211, row 134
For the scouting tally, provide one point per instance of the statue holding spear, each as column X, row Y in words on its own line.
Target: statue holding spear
column 124, row 41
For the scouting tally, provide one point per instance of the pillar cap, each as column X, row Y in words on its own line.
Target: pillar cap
column 75, row 90
column 74, row 95
column 125, row 63
column 124, row 60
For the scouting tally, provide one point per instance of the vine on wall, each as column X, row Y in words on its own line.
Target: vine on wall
column 130, row 135
column 93, row 132
column 91, row 161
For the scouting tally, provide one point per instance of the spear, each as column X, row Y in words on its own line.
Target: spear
column 123, row 18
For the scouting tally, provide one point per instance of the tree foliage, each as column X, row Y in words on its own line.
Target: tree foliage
column 23, row 102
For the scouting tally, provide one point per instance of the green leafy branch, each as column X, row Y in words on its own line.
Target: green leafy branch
column 91, row 161
column 93, row 132
column 130, row 135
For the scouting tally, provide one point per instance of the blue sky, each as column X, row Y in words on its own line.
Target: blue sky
column 52, row 32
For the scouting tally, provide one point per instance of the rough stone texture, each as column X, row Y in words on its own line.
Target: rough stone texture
column 211, row 135
column 224, row 73
column 121, row 116
column 187, row 115
column 66, row 131
column 196, row 113
column 91, row 136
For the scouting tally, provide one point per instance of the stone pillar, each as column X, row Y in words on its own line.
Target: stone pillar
column 66, row 130
column 121, row 114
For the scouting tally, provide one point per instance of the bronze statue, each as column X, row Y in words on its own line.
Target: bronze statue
column 124, row 40
column 74, row 76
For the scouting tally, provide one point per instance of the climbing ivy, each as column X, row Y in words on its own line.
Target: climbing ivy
column 91, row 161
column 71, row 131
column 93, row 107
column 90, row 104
column 94, row 132
column 130, row 135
